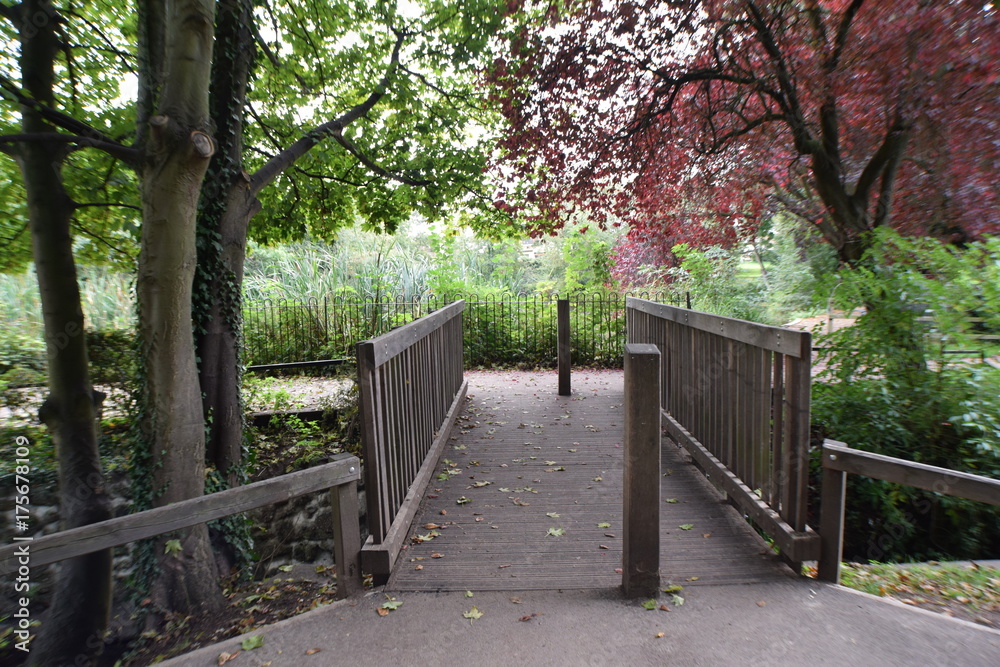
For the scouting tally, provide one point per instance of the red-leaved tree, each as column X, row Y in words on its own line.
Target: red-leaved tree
column 690, row 120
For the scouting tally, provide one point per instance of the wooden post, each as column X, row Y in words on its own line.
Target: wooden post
column 831, row 522
column 346, row 538
column 641, row 531
column 562, row 346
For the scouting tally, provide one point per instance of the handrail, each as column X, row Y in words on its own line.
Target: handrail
column 736, row 396
column 839, row 459
column 411, row 383
column 342, row 475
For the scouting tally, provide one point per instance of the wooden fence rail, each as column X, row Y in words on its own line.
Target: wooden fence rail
column 736, row 396
column 412, row 384
column 341, row 475
column 839, row 460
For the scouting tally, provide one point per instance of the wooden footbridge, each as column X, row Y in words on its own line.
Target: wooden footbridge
column 517, row 481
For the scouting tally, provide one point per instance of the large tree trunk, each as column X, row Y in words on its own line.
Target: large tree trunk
column 176, row 155
column 78, row 616
column 227, row 206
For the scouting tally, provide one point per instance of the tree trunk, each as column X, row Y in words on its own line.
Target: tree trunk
column 227, row 206
column 77, row 619
column 176, row 156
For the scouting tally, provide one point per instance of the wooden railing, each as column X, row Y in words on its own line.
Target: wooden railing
column 341, row 475
column 839, row 459
column 412, row 384
column 736, row 396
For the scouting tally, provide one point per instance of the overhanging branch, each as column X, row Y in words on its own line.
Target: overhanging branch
column 335, row 128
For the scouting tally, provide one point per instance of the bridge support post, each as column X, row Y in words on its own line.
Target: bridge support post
column 562, row 345
column 641, row 530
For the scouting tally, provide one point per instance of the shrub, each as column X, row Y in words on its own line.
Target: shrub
column 890, row 389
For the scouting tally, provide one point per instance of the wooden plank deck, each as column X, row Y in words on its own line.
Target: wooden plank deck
column 528, row 461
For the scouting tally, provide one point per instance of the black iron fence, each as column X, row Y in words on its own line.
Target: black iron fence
column 500, row 329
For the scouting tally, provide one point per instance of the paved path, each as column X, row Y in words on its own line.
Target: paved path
column 755, row 615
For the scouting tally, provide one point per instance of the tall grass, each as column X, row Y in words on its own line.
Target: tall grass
column 107, row 298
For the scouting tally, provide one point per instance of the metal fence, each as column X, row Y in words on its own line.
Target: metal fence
column 500, row 329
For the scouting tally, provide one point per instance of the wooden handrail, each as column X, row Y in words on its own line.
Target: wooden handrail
column 839, row 459
column 411, row 385
column 736, row 396
column 341, row 475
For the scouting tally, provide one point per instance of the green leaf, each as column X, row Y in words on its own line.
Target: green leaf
column 604, row 524
column 463, row 500
column 552, row 515
column 677, row 600
column 173, row 547
column 556, row 532
column 285, row 568
column 392, row 604
column 686, row 526
column 673, row 588
column 672, row 501
column 469, row 594
column 252, row 642
column 650, row 604
column 472, row 614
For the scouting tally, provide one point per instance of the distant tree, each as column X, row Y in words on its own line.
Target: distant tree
column 856, row 114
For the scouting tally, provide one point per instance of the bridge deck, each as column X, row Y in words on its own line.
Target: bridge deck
column 523, row 463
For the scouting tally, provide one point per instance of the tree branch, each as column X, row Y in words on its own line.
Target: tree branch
column 82, row 131
column 129, row 156
column 335, row 128
column 888, row 153
column 107, row 205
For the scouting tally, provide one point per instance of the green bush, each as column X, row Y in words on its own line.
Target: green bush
column 890, row 389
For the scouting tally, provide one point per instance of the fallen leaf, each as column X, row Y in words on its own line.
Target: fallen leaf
column 650, row 604
column 691, row 579
column 419, row 567
column 673, row 588
column 480, row 485
column 469, row 594
column 598, row 478
column 437, row 555
column 431, row 526
column 762, row 603
column 672, row 501
column 479, row 518
column 463, row 500
column 659, row 635
column 432, row 495
column 313, row 651
column 443, row 512
column 604, row 524
column 516, row 600
column 677, row 600
column 706, row 534
column 226, row 657
column 472, row 614
column 604, row 546
column 382, row 612
column 664, row 607
column 686, row 526
column 392, row 604
column 552, row 515
column 556, row 532
column 252, row 642
column 609, row 535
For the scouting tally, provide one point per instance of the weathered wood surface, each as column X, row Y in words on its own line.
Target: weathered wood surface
column 344, row 470
column 641, row 521
column 838, row 456
column 736, row 396
column 839, row 460
column 516, row 433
